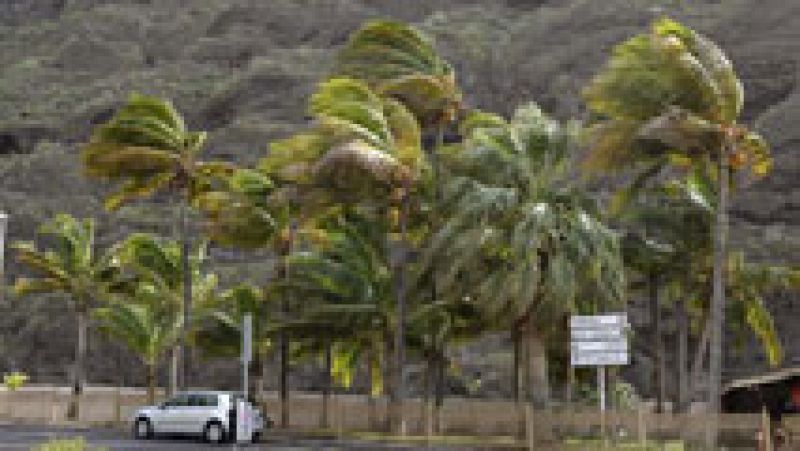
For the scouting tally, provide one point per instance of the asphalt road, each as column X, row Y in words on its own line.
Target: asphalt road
column 22, row 437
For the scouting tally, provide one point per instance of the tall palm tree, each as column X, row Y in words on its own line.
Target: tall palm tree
column 146, row 149
column 155, row 265
column 364, row 148
column 672, row 94
column 401, row 62
column 532, row 244
column 72, row 267
column 250, row 211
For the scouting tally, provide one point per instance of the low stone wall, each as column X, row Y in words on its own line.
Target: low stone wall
column 459, row 416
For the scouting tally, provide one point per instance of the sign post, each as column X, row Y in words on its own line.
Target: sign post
column 244, row 414
column 599, row 340
column 247, row 350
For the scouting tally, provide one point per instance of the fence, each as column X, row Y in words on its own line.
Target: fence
column 458, row 416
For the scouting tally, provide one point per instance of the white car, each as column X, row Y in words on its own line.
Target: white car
column 208, row 414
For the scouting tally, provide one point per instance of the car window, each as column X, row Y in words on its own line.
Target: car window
column 208, row 400
column 195, row 400
column 178, row 401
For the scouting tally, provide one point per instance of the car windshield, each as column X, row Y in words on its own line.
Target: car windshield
column 203, row 400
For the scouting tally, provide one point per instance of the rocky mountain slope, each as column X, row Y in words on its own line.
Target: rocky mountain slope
column 242, row 69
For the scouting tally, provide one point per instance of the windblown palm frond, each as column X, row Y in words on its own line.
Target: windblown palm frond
column 146, row 148
column 71, row 266
column 150, row 267
column 398, row 61
column 362, row 144
column 519, row 226
column 669, row 91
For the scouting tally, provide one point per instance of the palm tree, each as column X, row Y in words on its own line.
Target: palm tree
column 250, row 211
column 399, row 61
column 667, row 235
column 348, row 286
column 672, row 94
column 145, row 325
column 670, row 234
column 530, row 242
column 73, row 268
column 146, row 149
column 151, row 274
column 363, row 149
column 221, row 332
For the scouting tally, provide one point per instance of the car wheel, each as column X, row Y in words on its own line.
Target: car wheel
column 142, row 429
column 214, row 433
column 256, row 437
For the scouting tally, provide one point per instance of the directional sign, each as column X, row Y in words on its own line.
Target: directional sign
column 597, row 334
column 600, row 359
column 598, row 321
column 599, row 340
column 599, row 346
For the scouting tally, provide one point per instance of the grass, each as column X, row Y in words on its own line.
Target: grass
column 575, row 444
column 74, row 444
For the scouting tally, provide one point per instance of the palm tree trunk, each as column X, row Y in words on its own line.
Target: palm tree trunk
column 441, row 375
column 539, row 382
column 697, row 361
column 3, row 228
column 389, row 382
column 426, row 407
column 718, row 301
column 286, row 249
column 371, row 420
column 326, row 387
column 80, row 363
column 151, row 383
column 682, row 355
column 186, row 250
column 516, row 337
column 657, row 343
column 399, row 346
column 283, row 385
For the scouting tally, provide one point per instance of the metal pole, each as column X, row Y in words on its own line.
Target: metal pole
column 601, row 387
column 247, row 351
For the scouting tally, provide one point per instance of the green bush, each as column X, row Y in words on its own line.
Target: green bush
column 14, row 381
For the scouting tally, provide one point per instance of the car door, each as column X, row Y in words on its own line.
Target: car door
column 201, row 409
column 167, row 419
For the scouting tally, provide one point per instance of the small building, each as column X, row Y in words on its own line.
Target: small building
column 778, row 391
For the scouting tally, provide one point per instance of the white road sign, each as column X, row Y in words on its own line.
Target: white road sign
column 597, row 334
column 599, row 346
column 598, row 321
column 599, row 340
column 599, row 359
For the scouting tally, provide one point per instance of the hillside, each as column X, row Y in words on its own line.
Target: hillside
column 242, row 69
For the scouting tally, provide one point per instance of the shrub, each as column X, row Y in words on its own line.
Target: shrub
column 14, row 381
